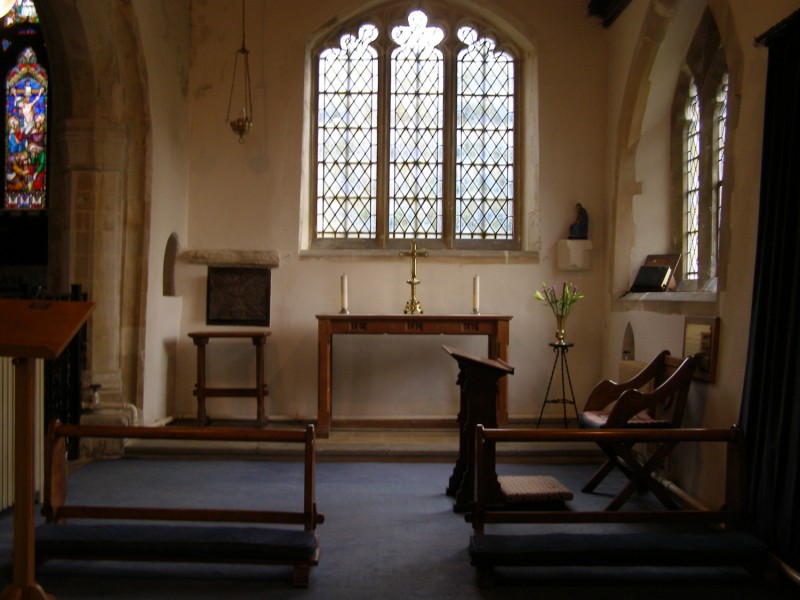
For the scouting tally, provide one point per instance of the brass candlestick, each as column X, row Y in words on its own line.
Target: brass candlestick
column 413, row 306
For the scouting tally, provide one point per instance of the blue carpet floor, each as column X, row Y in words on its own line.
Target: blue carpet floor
column 390, row 533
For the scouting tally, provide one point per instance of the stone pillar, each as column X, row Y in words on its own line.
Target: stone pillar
column 95, row 185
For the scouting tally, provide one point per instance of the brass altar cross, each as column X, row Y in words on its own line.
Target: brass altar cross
column 413, row 306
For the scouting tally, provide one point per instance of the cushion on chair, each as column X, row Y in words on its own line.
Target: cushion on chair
column 596, row 419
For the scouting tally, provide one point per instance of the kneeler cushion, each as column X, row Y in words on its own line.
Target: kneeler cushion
column 173, row 542
column 533, row 488
column 621, row 549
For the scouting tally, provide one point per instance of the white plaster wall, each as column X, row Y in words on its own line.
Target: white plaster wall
column 165, row 45
column 660, row 325
column 651, row 208
column 249, row 197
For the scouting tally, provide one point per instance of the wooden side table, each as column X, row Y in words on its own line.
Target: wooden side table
column 201, row 339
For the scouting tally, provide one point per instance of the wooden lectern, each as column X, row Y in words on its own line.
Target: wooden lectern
column 31, row 329
column 478, row 379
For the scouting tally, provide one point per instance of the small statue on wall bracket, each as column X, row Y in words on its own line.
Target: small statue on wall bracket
column 579, row 230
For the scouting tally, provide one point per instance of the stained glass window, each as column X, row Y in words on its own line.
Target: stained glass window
column 22, row 11
column 26, row 118
column 25, row 110
column 415, row 135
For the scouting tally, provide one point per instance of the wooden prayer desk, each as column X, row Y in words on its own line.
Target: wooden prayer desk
column 494, row 327
column 479, row 379
column 200, row 339
column 31, row 329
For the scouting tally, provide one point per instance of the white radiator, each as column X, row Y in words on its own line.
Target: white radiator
column 7, row 428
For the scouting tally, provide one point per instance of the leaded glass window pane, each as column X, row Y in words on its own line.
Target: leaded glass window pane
column 26, row 133
column 692, row 184
column 416, row 120
column 347, row 138
column 415, row 135
column 484, row 140
column 721, row 122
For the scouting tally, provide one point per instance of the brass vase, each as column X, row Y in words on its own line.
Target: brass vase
column 561, row 335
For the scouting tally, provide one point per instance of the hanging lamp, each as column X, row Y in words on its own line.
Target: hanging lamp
column 242, row 124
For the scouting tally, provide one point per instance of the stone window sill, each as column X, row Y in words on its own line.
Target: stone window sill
column 669, row 297
column 437, row 255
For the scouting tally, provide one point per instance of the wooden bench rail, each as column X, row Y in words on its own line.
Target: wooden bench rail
column 271, row 546
column 609, row 435
column 62, row 513
column 486, row 438
column 709, row 545
column 225, row 434
column 600, row 516
column 55, row 485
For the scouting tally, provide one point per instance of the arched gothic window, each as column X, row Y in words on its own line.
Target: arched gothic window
column 699, row 129
column 26, row 108
column 414, row 135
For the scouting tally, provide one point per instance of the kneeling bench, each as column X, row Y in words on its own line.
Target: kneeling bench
column 176, row 543
column 715, row 537
column 204, row 534
column 713, row 548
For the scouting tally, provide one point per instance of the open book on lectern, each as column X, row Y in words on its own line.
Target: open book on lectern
column 657, row 274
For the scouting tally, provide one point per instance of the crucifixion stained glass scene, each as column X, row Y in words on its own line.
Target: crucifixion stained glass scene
column 26, row 124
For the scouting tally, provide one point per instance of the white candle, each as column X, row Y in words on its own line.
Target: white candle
column 476, row 294
column 344, row 293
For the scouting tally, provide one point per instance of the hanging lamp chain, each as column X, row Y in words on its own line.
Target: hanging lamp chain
column 242, row 124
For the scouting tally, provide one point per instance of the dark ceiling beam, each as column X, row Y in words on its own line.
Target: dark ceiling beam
column 607, row 10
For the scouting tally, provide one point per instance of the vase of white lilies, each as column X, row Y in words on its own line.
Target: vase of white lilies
column 560, row 305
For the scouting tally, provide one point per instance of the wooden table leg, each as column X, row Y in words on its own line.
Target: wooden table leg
column 261, row 415
column 24, row 586
column 324, row 360
column 200, row 386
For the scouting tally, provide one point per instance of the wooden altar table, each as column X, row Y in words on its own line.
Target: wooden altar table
column 494, row 327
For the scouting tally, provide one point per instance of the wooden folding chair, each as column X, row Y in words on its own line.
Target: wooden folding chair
column 661, row 407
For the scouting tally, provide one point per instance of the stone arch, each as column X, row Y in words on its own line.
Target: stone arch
column 171, row 251
column 632, row 111
column 634, row 104
column 99, row 199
